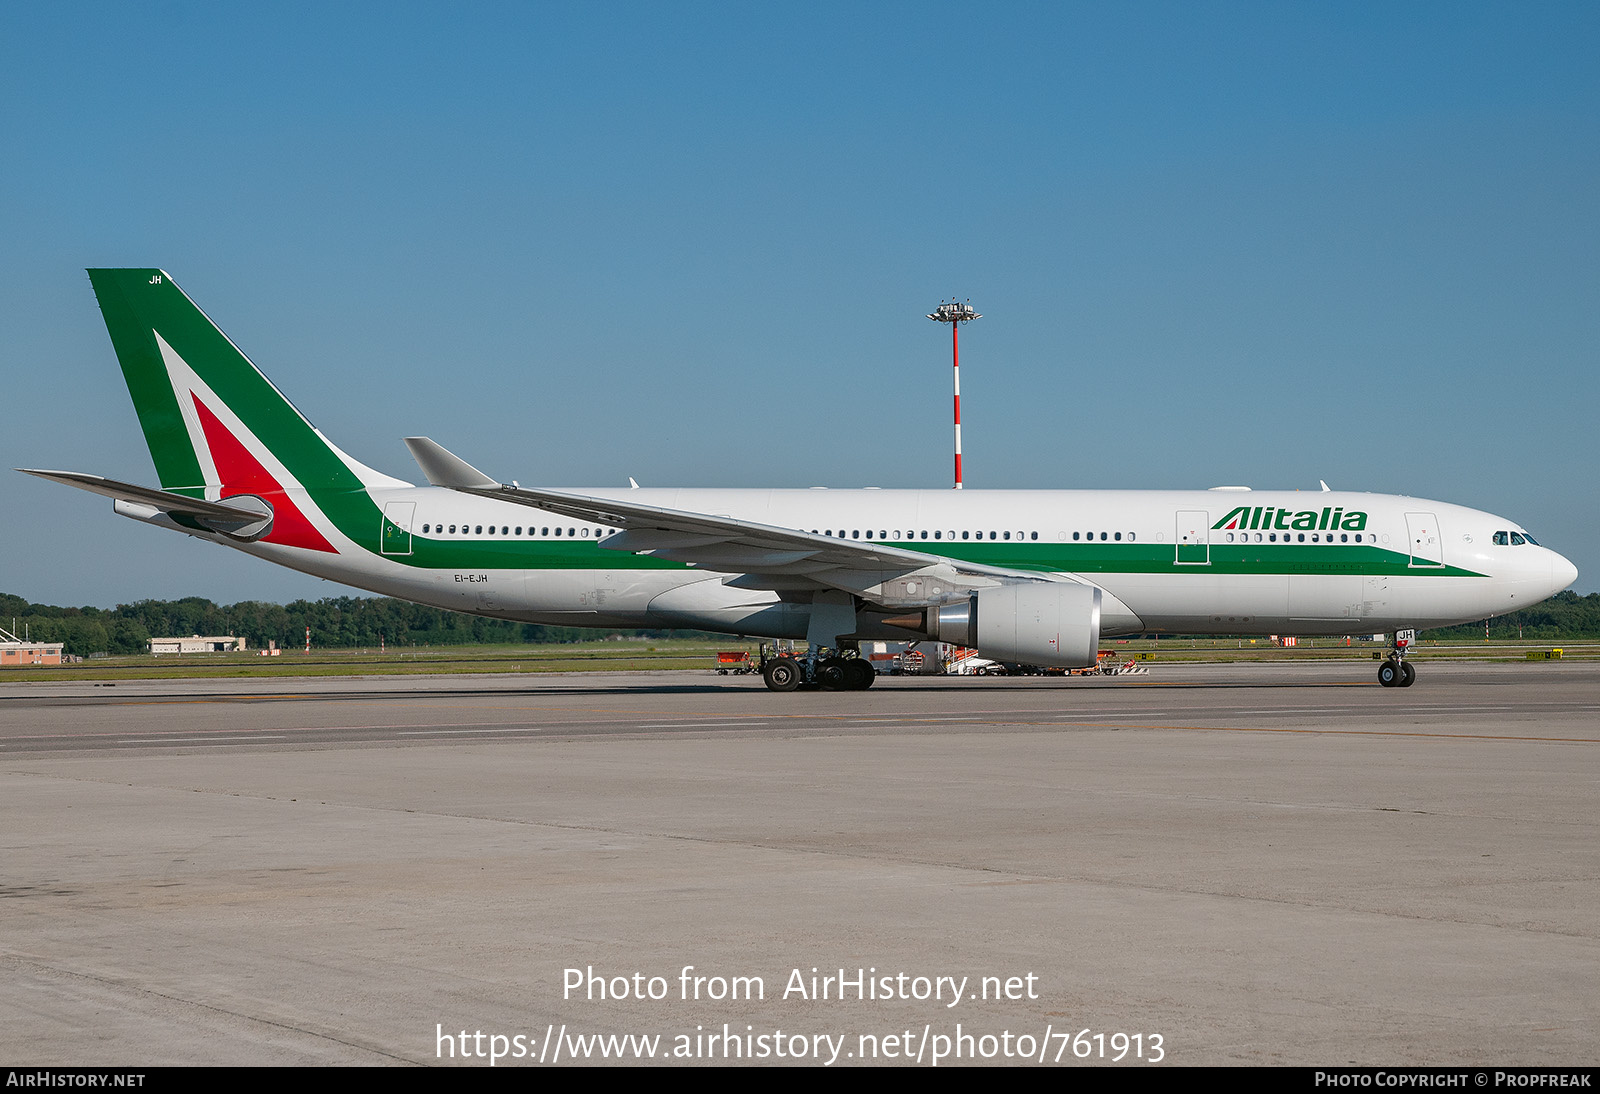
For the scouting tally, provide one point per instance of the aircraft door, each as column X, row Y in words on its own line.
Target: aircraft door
column 1194, row 538
column 1427, row 545
column 395, row 537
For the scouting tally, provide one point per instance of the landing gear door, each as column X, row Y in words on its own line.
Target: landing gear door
column 395, row 538
column 1194, row 538
column 1427, row 545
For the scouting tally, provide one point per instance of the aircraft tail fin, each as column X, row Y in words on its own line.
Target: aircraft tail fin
column 214, row 424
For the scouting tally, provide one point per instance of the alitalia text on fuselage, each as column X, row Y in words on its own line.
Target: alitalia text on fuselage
column 1252, row 518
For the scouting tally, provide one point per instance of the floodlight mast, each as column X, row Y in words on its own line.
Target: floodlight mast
column 956, row 314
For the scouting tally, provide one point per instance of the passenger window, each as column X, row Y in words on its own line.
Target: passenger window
column 1119, row 537
column 1102, row 537
column 1033, row 535
column 479, row 532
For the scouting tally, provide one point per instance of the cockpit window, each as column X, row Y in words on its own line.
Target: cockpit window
column 1518, row 539
column 1530, row 539
column 1501, row 538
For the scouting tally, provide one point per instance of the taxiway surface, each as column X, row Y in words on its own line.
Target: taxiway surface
column 1258, row 864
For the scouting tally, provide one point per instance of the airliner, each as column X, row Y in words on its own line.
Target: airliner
column 1031, row 576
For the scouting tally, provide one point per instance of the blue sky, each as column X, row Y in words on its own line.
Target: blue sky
column 1213, row 243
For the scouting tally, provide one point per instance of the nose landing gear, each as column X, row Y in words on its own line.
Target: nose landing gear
column 1396, row 671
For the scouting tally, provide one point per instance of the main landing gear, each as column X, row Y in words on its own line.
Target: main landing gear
column 1396, row 671
column 834, row 672
column 832, row 660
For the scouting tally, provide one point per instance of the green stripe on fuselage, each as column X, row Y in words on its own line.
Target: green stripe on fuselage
column 1136, row 558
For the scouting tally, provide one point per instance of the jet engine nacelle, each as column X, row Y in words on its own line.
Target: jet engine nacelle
column 1050, row 623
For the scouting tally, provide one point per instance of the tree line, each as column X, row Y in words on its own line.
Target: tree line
column 353, row 621
column 340, row 622
column 1565, row 615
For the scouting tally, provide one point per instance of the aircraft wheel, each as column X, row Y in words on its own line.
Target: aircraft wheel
column 1388, row 675
column 1408, row 674
column 858, row 675
column 831, row 673
column 781, row 674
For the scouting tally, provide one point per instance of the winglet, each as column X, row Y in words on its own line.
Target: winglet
column 444, row 468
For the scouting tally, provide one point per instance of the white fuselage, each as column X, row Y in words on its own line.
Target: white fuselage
column 1159, row 557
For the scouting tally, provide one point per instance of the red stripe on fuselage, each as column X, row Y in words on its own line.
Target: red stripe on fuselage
column 242, row 473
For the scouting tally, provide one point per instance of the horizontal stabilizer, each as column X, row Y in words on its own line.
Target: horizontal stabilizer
column 163, row 500
column 445, row 468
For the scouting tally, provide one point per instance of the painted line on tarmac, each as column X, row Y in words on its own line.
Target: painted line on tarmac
column 244, row 738
column 1334, row 732
column 479, row 732
column 697, row 725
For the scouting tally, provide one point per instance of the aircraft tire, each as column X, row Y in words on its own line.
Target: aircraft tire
column 858, row 675
column 832, row 674
column 1388, row 675
column 781, row 674
column 1408, row 674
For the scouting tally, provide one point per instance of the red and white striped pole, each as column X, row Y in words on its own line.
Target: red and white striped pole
column 308, row 639
column 955, row 355
column 956, row 314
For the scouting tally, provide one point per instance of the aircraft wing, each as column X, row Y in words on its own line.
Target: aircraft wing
column 764, row 556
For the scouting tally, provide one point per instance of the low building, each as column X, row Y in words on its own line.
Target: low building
column 197, row 644
column 15, row 652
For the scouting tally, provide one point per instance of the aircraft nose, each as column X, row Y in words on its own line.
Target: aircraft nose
column 1562, row 573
